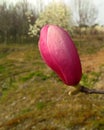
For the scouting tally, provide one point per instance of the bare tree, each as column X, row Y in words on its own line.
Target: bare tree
column 85, row 12
column 4, row 21
column 39, row 6
column 13, row 22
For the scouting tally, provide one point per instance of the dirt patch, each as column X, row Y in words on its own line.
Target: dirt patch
column 92, row 62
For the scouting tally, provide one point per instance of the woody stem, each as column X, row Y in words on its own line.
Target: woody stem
column 90, row 91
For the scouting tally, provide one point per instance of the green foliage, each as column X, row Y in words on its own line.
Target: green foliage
column 90, row 79
column 55, row 13
column 2, row 68
column 41, row 75
column 37, row 74
column 27, row 77
column 40, row 105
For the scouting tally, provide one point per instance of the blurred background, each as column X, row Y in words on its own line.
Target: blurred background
column 18, row 18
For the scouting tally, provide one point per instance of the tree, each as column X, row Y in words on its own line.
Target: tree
column 85, row 12
column 21, row 8
column 13, row 21
column 55, row 13
column 21, row 23
column 39, row 6
column 4, row 21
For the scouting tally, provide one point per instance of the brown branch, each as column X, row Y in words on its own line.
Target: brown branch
column 90, row 91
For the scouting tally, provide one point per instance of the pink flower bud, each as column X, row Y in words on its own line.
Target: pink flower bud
column 59, row 52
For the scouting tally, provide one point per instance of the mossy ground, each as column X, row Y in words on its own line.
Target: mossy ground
column 32, row 97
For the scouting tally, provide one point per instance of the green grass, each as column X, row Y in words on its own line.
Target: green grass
column 40, row 105
column 2, row 68
column 90, row 79
column 33, row 97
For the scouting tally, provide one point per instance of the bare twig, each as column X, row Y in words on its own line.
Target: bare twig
column 90, row 91
column 83, row 89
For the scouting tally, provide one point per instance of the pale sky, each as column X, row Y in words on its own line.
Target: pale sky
column 99, row 5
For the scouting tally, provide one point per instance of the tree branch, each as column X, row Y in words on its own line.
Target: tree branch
column 90, row 91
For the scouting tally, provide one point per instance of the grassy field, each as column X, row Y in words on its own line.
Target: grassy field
column 32, row 97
